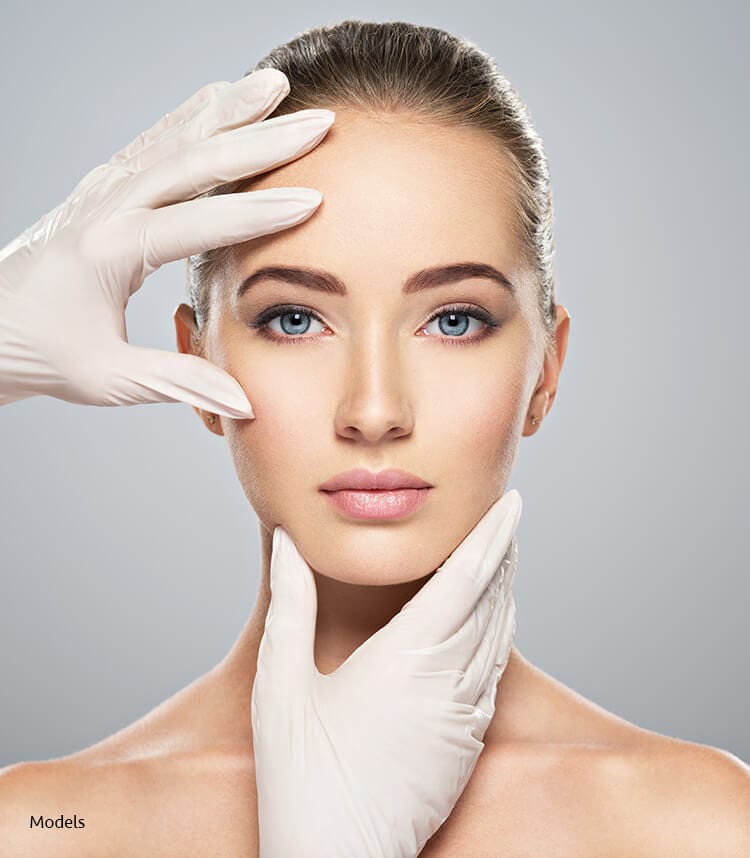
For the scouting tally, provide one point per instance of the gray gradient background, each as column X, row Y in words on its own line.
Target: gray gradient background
column 129, row 555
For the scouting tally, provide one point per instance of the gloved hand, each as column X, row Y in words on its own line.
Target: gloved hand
column 369, row 761
column 65, row 281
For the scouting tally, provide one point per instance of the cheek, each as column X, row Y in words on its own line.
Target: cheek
column 498, row 436
column 467, row 420
column 480, row 426
column 273, row 452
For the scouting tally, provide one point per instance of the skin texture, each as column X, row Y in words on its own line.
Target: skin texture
column 364, row 388
column 376, row 385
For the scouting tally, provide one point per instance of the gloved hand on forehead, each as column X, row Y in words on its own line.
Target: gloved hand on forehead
column 367, row 761
column 65, row 281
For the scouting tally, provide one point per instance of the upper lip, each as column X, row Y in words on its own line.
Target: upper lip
column 363, row 480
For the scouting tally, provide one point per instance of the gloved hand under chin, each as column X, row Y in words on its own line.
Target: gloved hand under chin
column 369, row 761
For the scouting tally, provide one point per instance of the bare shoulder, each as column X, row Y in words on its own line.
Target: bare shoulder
column 61, row 808
column 567, row 777
column 94, row 807
column 656, row 797
column 681, row 798
column 652, row 796
column 640, row 793
column 178, row 781
column 169, row 804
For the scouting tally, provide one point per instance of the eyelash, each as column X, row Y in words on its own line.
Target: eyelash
column 271, row 313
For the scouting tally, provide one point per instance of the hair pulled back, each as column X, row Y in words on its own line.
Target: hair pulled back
column 398, row 67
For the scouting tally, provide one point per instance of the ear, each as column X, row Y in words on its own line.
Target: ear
column 546, row 390
column 186, row 330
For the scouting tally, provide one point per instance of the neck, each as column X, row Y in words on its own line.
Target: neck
column 347, row 615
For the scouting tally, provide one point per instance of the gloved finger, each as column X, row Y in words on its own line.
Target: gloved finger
column 146, row 375
column 486, row 700
column 288, row 643
column 494, row 647
column 183, row 113
column 486, row 646
column 447, row 600
column 490, row 651
column 458, row 652
column 181, row 230
column 248, row 100
column 241, row 153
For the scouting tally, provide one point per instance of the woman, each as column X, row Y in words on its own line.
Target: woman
column 432, row 166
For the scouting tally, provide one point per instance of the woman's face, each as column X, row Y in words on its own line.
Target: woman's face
column 373, row 382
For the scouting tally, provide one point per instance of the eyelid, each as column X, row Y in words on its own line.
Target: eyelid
column 265, row 316
column 463, row 308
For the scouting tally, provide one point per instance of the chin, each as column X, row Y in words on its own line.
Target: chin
column 372, row 556
column 378, row 576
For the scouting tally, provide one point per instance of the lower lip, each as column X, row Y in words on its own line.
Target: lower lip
column 378, row 504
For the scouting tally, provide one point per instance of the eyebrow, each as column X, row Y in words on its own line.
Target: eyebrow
column 324, row 281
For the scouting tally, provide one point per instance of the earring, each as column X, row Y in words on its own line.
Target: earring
column 212, row 419
column 534, row 420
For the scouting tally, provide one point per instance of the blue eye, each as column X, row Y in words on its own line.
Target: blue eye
column 455, row 323
column 293, row 323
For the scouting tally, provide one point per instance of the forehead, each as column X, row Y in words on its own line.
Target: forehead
column 399, row 194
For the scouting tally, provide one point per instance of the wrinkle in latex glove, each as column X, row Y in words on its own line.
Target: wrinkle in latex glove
column 66, row 280
column 369, row 760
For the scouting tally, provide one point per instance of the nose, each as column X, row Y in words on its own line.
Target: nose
column 375, row 404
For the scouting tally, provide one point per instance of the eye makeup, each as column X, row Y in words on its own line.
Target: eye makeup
column 260, row 323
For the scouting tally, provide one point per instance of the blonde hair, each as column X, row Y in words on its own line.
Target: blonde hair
column 397, row 67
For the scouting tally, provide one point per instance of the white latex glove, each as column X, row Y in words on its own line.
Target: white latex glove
column 65, row 282
column 369, row 761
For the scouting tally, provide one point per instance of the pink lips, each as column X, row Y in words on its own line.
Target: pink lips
column 363, row 480
column 387, row 494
